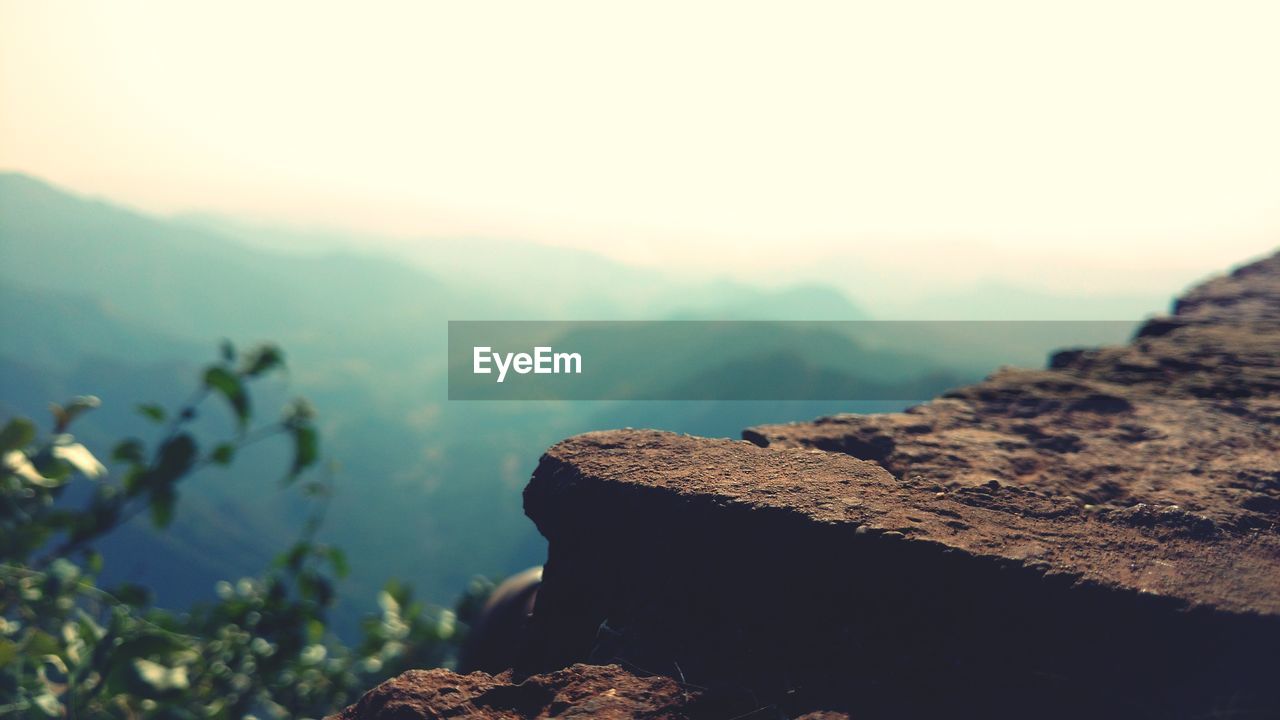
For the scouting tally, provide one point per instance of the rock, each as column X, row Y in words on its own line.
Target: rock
column 580, row 691
column 763, row 573
column 743, row 567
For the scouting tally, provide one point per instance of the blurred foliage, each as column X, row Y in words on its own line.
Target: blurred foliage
column 263, row 648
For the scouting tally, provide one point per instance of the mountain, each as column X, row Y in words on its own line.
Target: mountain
column 50, row 329
column 99, row 299
column 530, row 281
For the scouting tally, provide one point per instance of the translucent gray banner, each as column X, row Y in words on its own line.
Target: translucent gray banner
column 735, row 360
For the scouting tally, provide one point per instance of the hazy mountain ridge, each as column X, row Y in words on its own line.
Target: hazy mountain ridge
column 103, row 300
column 532, row 281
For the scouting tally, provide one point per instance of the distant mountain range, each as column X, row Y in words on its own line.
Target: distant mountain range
column 97, row 299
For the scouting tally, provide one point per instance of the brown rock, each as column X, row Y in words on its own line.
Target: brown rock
column 580, row 691
column 1183, row 557
column 811, row 579
column 1094, row 539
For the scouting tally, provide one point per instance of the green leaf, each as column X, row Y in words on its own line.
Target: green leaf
column 40, row 643
column 306, row 449
column 176, row 457
column 227, row 384
column 316, row 587
column 299, row 412
column 64, row 571
column 130, row 451
column 8, row 652
column 48, row 704
column 295, row 557
column 261, row 359
column 315, row 630
column 135, row 480
column 338, row 560
column 18, row 433
column 154, row 412
column 162, row 502
column 223, row 454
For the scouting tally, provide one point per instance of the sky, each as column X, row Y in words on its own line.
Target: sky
column 1076, row 147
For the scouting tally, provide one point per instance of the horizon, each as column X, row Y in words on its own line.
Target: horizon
column 983, row 298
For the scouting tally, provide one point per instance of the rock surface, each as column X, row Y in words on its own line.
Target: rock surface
column 582, row 691
column 606, row 692
column 1187, row 415
column 1100, row 539
column 812, row 580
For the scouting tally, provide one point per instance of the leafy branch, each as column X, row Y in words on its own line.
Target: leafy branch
column 69, row 648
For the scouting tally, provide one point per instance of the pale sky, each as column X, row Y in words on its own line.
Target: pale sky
column 1082, row 145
